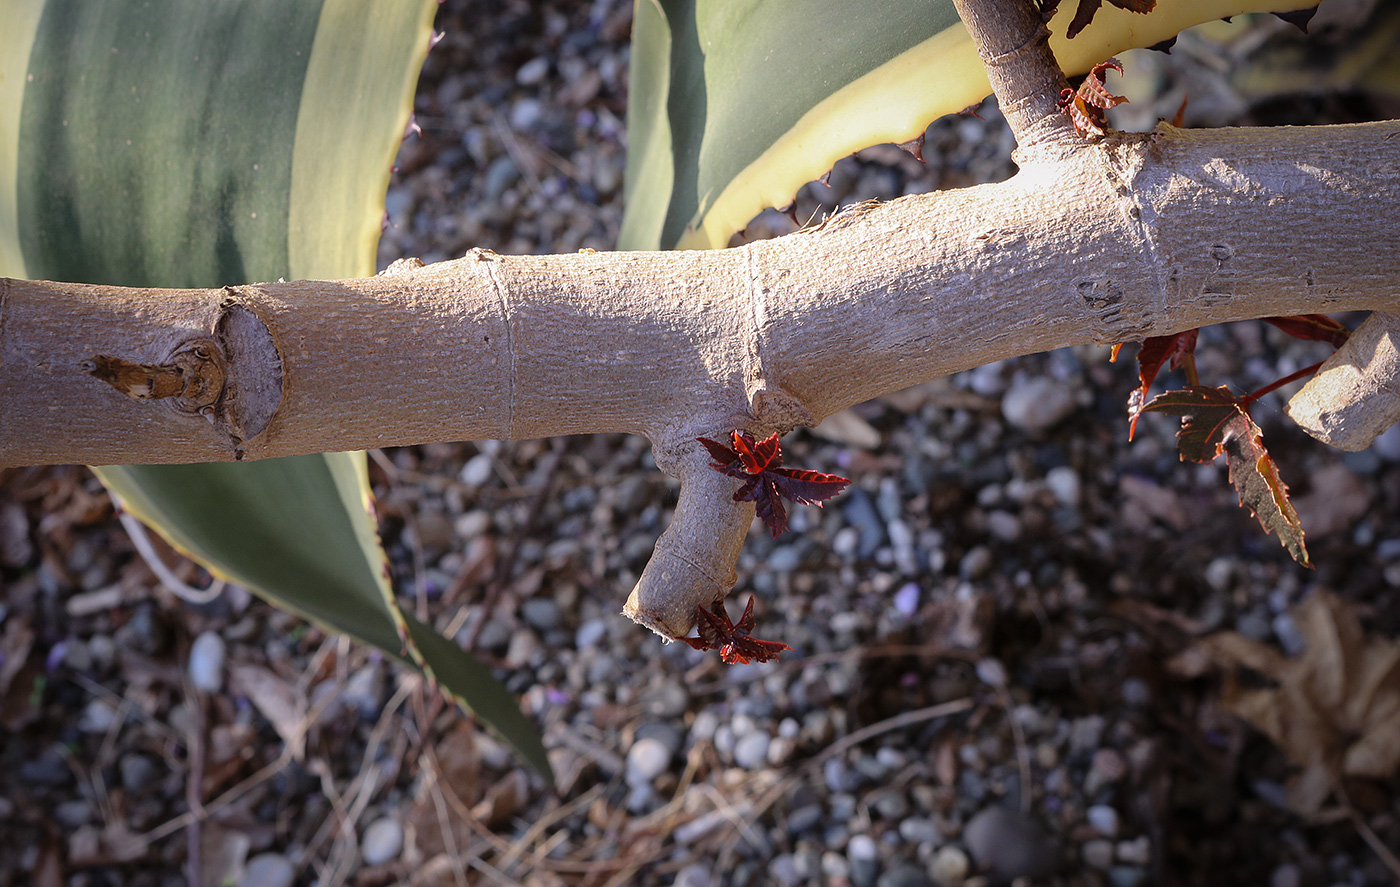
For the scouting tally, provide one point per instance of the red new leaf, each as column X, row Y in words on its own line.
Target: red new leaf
column 766, row 483
column 1312, row 327
column 1215, row 421
column 1155, row 352
column 1085, row 107
column 1084, row 14
column 734, row 641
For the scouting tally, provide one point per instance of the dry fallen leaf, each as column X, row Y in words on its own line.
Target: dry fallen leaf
column 1335, row 712
column 278, row 701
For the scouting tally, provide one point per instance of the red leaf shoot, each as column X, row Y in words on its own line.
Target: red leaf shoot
column 766, row 483
column 733, row 640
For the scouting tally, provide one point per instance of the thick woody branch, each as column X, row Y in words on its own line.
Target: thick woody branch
column 1126, row 238
column 1355, row 397
column 1014, row 45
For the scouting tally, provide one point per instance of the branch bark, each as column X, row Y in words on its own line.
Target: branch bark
column 1127, row 238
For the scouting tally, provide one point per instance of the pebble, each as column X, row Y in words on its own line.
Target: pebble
column 207, row 662
column 803, row 818
column 541, row 613
column 1104, row 820
column 782, row 869
column 864, row 857
column 364, row 691
column 905, row 875
column 647, row 759
column 917, row 830
column 1063, row 482
column 906, row 600
column 1085, row 734
column 1008, row 845
column 890, row 805
column 533, row 72
column 751, row 752
column 950, row 866
column 382, row 842
column 1138, row 851
column 590, row 634
column 137, row 771
column 1097, row 854
column 267, row 870
column 1286, row 875
column 1126, row 876
column 693, row 875
column 705, row 724
column 98, row 717
column 835, row 866
column 1035, row 404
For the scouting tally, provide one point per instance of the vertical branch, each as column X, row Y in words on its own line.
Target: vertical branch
column 1014, row 45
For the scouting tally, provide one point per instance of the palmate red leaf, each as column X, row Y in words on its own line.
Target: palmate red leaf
column 1214, row 421
column 766, row 482
column 735, row 642
column 1084, row 14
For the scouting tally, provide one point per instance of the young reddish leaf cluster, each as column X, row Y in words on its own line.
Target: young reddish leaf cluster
column 734, row 641
column 1215, row 421
column 1086, row 105
column 766, row 483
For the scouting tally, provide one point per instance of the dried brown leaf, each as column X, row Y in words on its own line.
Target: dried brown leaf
column 1335, row 712
column 277, row 700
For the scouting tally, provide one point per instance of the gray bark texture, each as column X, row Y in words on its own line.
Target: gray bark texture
column 1093, row 241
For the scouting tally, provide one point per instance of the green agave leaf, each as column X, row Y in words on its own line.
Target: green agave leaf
column 182, row 143
column 735, row 104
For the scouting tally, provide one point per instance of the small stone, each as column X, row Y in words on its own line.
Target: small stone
column 73, row 814
column 1063, row 482
column 1138, row 851
column 890, row 804
column 207, row 662
column 479, row 468
column 780, row 751
column 1104, row 820
column 705, row 725
column 364, row 691
column 804, row 818
column 693, row 875
column 1035, row 404
column 751, row 752
column 950, row 866
column 1097, row 854
column 541, row 613
column 1008, row 845
column 137, row 772
column 382, row 842
column 1085, row 734
column 917, row 830
column 647, row 759
column 268, row 870
column 835, row 866
column 98, row 717
column 670, row 700
column 782, row 869
column 532, row 72
column 1286, row 875
column 1126, row 876
column 904, row 875
column 864, row 857
column 906, row 600
column 590, row 634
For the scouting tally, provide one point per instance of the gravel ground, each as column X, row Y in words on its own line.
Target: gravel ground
column 988, row 628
